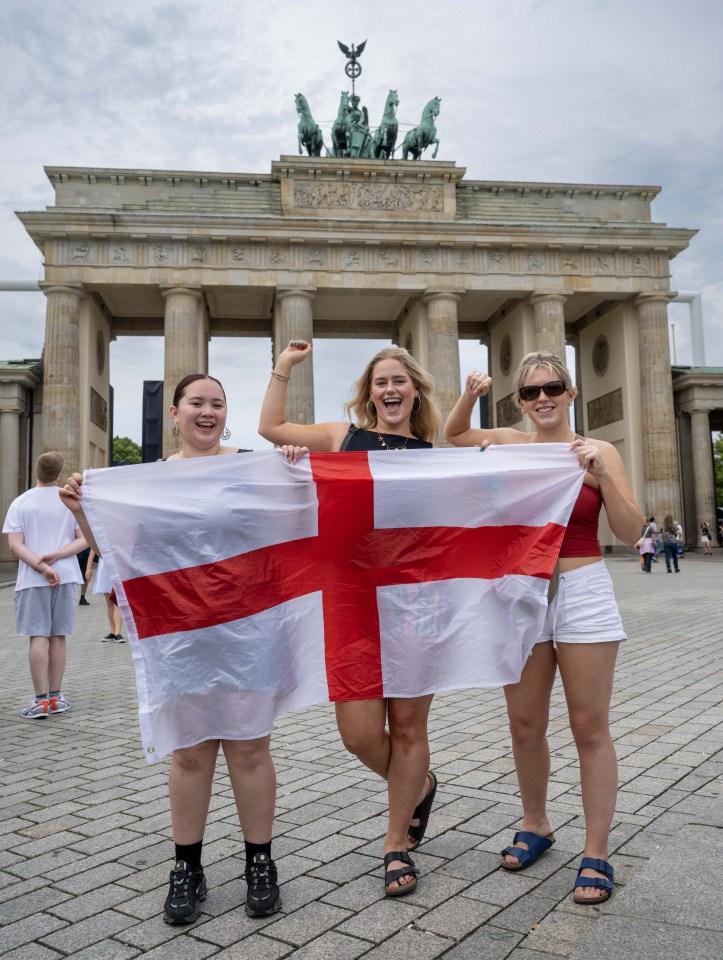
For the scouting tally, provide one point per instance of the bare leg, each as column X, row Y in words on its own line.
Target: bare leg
column 362, row 725
column 587, row 671
column 117, row 620
column 253, row 779
column 407, row 772
column 189, row 790
column 39, row 657
column 109, row 611
column 56, row 662
column 528, row 709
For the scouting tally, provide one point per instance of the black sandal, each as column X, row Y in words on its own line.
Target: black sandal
column 421, row 813
column 393, row 876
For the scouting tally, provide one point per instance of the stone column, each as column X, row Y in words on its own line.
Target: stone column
column 293, row 320
column 657, row 413
column 61, row 376
column 703, row 475
column 444, row 349
column 182, row 346
column 549, row 312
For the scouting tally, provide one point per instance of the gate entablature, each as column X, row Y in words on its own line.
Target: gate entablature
column 326, row 246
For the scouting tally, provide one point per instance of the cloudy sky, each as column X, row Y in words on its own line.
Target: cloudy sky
column 604, row 91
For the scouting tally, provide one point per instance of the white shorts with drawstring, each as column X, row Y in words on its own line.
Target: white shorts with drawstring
column 584, row 609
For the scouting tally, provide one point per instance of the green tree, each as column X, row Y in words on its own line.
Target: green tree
column 125, row 451
column 718, row 460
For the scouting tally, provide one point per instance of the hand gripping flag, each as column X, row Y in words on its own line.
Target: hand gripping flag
column 251, row 587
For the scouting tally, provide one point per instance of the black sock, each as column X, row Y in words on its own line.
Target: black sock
column 253, row 848
column 190, row 852
column 41, row 696
column 55, row 693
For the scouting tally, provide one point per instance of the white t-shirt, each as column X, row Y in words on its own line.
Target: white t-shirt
column 46, row 525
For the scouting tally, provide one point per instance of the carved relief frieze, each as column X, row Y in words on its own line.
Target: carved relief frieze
column 507, row 411
column 570, row 262
column 238, row 254
column 315, row 257
column 606, row 409
column 278, row 256
column 499, row 260
column 427, row 258
column 351, row 258
column 160, row 254
column 640, row 263
column 389, row 258
column 370, row 196
column 535, row 260
column 80, row 252
column 198, row 254
column 602, row 263
column 121, row 253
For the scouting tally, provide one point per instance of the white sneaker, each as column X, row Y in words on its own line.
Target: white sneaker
column 59, row 704
column 38, row 710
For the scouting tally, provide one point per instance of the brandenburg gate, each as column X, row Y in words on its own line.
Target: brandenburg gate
column 411, row 251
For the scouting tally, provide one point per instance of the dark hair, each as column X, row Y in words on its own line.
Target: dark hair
column 652, row 520
column 187, row 381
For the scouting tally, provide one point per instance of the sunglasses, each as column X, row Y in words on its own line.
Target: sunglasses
column 555, row 388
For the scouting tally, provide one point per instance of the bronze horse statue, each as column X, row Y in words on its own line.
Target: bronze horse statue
column 340, row 131
column 385, row 138
column 310, row 135
column 419, row 138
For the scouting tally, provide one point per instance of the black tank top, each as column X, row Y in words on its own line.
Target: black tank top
column 358, row 439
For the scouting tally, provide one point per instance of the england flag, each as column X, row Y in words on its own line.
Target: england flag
column 252, row 587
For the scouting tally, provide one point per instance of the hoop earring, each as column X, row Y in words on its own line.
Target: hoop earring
column 226, row 435
column 175, row 431
column 418, row 401
column 372, row 414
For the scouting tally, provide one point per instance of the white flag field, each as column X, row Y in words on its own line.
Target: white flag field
column 251, row 587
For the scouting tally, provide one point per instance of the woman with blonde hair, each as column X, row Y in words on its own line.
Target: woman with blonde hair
column 582, row 630
column 394, row 409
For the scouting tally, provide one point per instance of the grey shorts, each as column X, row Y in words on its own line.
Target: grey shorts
column 46, row 611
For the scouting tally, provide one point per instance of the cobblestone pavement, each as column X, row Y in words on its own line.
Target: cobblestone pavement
column 84, row 836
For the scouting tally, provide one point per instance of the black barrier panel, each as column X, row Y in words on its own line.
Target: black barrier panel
column 152, row 445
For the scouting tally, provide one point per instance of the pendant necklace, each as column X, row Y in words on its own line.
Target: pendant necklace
column 386, row 446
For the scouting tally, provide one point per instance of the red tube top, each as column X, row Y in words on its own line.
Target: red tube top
column 580, row 538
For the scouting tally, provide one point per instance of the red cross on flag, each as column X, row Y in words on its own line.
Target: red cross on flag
column 251, row 587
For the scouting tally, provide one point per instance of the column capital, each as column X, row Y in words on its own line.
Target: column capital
column 173, row 289
column 656, row 296
column 72, row 288
column 435, row 294
column 12, row 405
column 548, row 298
column 307, row 293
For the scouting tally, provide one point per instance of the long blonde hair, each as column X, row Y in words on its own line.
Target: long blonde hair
column 424, row 422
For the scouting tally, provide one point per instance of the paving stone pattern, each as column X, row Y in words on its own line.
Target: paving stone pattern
column 85, row 834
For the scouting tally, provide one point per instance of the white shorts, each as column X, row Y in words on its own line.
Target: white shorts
column 46, row 611
column 584, row 609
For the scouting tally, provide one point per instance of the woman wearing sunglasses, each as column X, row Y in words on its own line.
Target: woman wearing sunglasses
column 582, row 630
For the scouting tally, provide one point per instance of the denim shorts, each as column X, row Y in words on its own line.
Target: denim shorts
column 584, row 609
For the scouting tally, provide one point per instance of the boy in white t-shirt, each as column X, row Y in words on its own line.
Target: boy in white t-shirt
column 43, row 536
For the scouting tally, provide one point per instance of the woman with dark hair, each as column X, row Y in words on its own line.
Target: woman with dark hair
column 393, row 408
column 670, row 543
column 582, row 631
column 199, row 413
